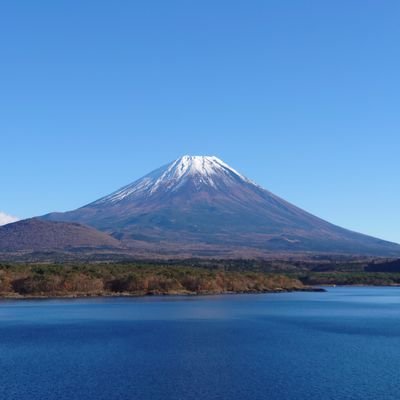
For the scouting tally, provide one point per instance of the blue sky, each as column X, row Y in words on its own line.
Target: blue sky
column 300, row 96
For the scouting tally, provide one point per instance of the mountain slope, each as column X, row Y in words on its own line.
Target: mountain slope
column 201, row 201
column 37, row 235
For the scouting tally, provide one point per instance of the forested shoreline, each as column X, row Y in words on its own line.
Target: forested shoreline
column 189, row 277
column 52, row 280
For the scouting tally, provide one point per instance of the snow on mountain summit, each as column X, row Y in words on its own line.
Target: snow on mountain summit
column 204, row 167
column 201, row 171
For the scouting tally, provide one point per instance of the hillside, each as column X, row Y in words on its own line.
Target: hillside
column 37, row 235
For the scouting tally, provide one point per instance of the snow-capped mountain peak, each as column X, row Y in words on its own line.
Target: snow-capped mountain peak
column 201, row 171
column 200, row 165
column 204, row 167
column 200, row 206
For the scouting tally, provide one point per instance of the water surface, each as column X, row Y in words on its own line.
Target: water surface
column 343, row 344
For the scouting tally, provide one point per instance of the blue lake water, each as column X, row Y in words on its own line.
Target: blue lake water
column 343, row 344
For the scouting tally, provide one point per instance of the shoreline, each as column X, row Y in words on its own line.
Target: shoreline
column 15, row 296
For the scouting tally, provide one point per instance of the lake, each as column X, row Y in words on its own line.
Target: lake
column 342, row 344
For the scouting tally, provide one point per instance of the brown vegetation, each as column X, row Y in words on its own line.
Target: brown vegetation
column 134, row 279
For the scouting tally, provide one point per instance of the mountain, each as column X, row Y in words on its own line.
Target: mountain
column 202, row 204
column 32, row 235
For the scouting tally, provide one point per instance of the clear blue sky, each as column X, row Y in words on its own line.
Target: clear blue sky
column 301, row 96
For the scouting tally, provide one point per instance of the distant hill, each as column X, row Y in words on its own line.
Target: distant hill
column 201, row 206
column 38, row 235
